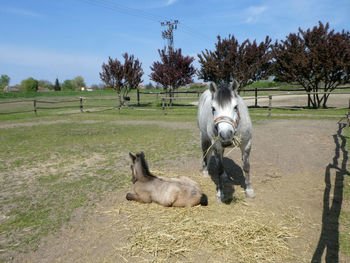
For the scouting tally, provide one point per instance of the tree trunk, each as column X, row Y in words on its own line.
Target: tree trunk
column 325, row 98
column 120, row 100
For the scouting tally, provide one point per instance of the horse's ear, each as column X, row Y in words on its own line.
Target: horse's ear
column 132, row 157
column 234, row 86
column 212, row 87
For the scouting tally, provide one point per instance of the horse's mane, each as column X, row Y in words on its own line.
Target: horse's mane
column 144, row 165
column 223, row 95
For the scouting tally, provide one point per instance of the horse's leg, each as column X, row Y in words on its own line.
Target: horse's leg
column 249, row 192
column 206, row 155
column 221, row 173
column 138, row 198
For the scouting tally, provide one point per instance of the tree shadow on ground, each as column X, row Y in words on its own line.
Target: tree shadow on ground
column 235, row 177
column 329, row 238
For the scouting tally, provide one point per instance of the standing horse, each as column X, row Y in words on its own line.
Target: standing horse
column 222, row 115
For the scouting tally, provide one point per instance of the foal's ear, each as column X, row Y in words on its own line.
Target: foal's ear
column 234, row 86
column 212, row 87
column 132, row 157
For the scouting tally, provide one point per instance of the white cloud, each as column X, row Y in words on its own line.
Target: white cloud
column 170, row 2
column 254, row 12
column 21, row 12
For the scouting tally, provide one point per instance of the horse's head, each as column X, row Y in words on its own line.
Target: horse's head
column 225, row 111
column 139, row 168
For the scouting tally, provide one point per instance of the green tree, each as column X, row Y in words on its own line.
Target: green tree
column 4, row 81
column 45, row 84
column 78, row 83
column 29, row 85
column 68, row 85
column 57, row 86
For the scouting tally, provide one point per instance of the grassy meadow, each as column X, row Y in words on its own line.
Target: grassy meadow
column 61, row 160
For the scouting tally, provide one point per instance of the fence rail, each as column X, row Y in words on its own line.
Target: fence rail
column 83, row 105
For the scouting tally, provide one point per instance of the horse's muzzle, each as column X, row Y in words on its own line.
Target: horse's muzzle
column 226, row 144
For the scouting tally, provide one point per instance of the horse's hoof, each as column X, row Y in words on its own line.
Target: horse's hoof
column 205, row 173
column 249, row 193
column 219, row 198
column 129, row 197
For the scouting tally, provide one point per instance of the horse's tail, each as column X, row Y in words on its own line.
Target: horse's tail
column 204, row 200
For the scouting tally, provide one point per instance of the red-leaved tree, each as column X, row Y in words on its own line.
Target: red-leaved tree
column 245, row 62
column 122, row 77
column 318, row 59
column 174, row 69
column 132, row 73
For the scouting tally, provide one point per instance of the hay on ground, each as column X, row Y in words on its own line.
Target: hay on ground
column 217, row 233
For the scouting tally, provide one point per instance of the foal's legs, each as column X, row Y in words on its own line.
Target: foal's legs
column 249, row 192
column 141, row 199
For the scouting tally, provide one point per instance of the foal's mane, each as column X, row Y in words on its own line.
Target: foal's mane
column 223, row 95
column 144, row 165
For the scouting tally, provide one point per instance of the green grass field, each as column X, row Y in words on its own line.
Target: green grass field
column 63, row 159
column 49, row 170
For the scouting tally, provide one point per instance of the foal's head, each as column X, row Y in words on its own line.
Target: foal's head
column 139, row 168
column 225, row 111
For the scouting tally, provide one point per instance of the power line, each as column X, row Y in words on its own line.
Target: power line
column 122, row 9
column 116, row 7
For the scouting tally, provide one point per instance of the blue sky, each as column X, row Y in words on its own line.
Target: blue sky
column 48, row 39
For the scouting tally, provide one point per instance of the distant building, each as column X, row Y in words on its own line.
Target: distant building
column 87, row 88
column 11, row 89
column 43, row 89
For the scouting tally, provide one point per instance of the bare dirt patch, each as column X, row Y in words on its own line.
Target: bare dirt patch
column 288, row 163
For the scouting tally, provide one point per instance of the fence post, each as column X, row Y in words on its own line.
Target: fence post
column 256, row 97
column 163, row 106
column 35, row 108
column 270, row 105
column 138, row 97
column 81, row 104
column 349, row 114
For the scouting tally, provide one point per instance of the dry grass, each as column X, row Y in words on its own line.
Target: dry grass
column 217, row 233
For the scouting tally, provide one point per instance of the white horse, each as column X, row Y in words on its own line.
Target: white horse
column 222, row 114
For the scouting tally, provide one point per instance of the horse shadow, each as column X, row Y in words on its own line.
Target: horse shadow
column 329, row 239
column 235, row 177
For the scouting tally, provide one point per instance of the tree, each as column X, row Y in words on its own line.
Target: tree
column 132, row 73
column 317, row 59
column 57, row 86
column 174, row 69
column 78, row 83
column 45, row 84
column 29, row 85
column 68, row 85
column 243, row 62
column 122, row 77
column 4, row 81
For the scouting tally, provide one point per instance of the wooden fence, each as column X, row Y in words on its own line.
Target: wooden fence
column 190, row 97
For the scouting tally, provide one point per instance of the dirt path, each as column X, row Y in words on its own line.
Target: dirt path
column 288, row 164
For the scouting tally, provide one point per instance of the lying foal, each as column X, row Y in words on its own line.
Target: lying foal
column 164, row 191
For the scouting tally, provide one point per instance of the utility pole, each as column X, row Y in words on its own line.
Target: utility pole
column 168, row 34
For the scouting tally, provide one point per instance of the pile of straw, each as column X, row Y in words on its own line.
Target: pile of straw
column 217, row 233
